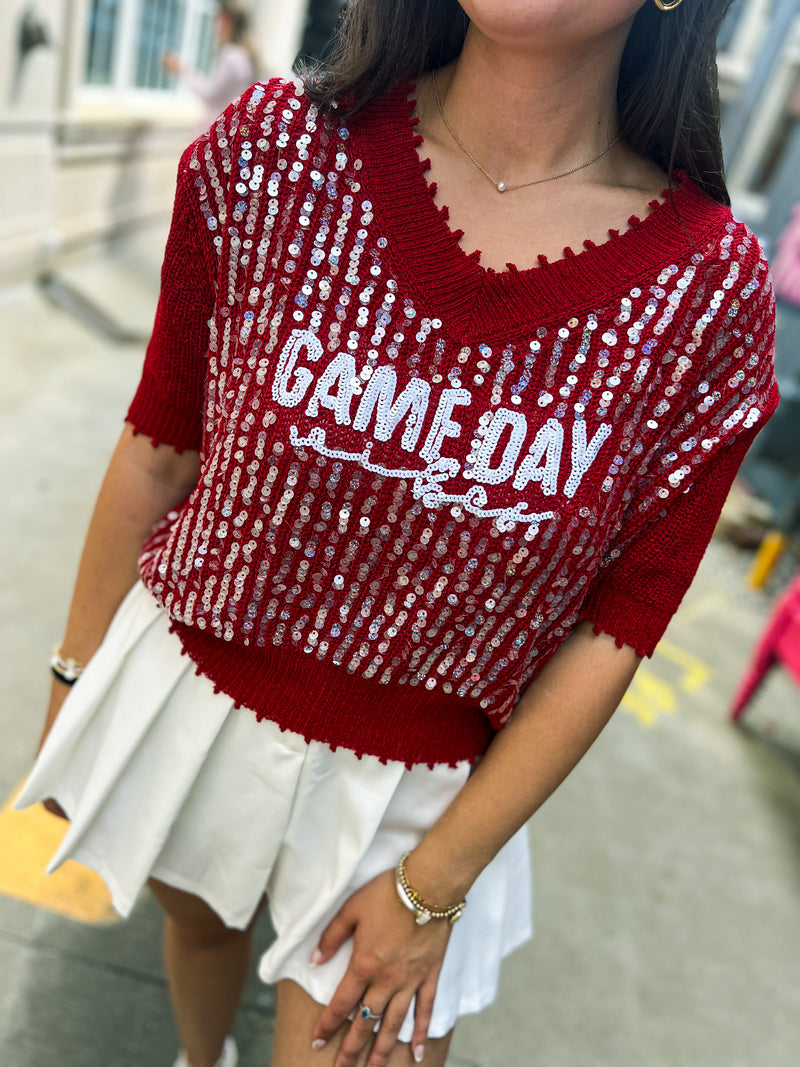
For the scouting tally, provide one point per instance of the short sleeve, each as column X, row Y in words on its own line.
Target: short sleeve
column 656, row 547
column 169, row 402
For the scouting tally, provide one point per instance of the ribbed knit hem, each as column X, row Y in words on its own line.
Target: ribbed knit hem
column 628, row 620
column 163, row 425
column 322, row 702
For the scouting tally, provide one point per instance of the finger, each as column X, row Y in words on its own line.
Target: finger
column 343, row 1002
column 362, row 1030
column 390, row 1027
column 423, row 1012
column 334, row 935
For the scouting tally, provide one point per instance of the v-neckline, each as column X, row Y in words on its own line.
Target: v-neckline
column 453, row 285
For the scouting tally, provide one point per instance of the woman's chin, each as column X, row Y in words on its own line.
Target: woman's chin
column 537, row 24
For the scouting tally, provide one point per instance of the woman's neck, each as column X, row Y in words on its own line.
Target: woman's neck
column 523, row 115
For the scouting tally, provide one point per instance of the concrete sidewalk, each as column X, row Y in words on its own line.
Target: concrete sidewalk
column 667, row 867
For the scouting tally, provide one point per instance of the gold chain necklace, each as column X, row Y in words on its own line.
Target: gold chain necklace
column 503, row 187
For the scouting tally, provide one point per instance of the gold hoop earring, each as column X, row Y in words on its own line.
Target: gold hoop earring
column 667, row 7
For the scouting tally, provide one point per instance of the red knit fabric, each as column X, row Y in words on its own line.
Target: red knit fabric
column 419, row 474
column 171, row 387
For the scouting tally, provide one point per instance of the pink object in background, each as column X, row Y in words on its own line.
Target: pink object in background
column 779, row 643
column 785, row 265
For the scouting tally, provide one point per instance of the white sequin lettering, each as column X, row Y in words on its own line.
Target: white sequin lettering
column 379, row 394
column 482, row 471
column 548, row 442
column 299, row 340
column 583, row 455
column 341, row 369
column 443, row 426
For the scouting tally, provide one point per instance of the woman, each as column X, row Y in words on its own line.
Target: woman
column 419, row 511
column 235, row 65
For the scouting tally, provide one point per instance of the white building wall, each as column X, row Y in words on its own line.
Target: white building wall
column 84, row 165
column 27, row 107
column 279, row 31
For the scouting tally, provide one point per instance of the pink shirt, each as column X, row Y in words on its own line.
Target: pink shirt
column 231, row 74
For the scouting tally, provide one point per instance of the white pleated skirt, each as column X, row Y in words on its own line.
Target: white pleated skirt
column 161, row 776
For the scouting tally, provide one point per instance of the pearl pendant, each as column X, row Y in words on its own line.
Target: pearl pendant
column 501, row 187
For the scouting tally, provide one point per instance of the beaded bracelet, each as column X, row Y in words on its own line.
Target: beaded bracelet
column 67, row 670
column 423, row 911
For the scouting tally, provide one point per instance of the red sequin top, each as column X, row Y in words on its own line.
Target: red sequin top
column 418, row 474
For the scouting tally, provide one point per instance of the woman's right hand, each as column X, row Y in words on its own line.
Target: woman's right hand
column 58, row 693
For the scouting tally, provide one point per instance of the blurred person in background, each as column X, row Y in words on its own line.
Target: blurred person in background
column 235, row 64
column 457, row 353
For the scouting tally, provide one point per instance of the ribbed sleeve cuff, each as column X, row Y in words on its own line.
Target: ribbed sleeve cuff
column 629, row 621
column 163, row 424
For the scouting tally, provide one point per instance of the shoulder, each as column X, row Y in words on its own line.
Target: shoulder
column 277, row 100
column 266, row 119
column 251, row 143
column 254, row 122
column 728, row 277
column 736, row 265
column 734, row 314
column 264, row 102
column 725, row 249
column 723, row 307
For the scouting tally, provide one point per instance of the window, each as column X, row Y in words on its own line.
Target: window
column 126, row 39
column 100, row 49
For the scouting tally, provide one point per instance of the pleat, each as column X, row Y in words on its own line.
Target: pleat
column 224, row 841
column 72, row 739
column 495, row 922
column 339, row 804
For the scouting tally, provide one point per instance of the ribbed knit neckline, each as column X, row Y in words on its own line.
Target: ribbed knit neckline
column 453, row 285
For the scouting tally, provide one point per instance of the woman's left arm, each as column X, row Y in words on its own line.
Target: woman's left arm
column 553, row 725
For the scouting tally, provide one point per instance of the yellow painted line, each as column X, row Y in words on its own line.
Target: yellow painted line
column 649, row 696
column 716, row 598
column 696, row 671
column 28, row 839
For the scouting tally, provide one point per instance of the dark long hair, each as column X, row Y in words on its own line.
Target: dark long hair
column 667, row 95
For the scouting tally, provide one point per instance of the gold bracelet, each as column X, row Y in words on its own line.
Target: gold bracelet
column 66, row 669
column 423, row 912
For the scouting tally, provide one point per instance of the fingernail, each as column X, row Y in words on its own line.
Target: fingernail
column 318, row 1043
column 419, row 1052
column 316, row 956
